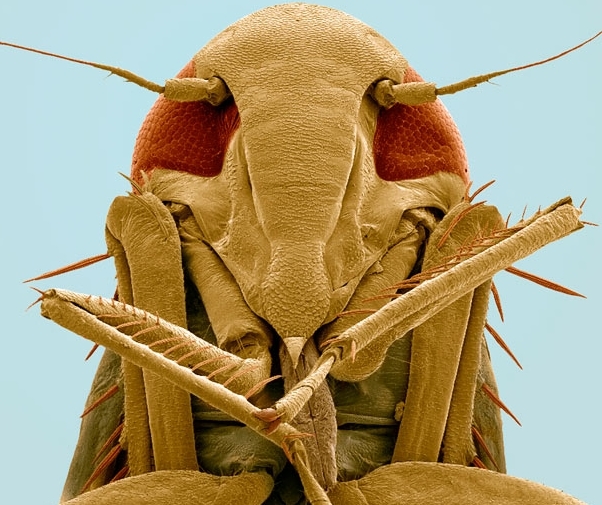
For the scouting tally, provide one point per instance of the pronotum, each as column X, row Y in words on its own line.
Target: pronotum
column 473, row 172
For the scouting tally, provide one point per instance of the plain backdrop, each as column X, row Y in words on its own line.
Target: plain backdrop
column 66, row 130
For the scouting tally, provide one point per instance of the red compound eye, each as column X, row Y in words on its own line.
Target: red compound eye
column 411, row 142
column 186, row 136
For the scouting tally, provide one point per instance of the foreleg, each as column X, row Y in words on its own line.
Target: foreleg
column 142, row 237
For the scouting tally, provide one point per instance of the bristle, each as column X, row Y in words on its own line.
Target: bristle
column 222, row 369
column 102, row 466
column 467, row 191
column 495, row 399
column 104, row 397
column 497, row 300
column 498, row 338
column 447, row 263
column 37, row 300
column 480, row 190
column 420, row 277
column 92, row 351
column 110, row 441
column 187, row 355
column 206, row 362
column 543, row 282
column 406, row 284
column 260, row 385
column 121, row 474
column 356, row 311
column 455, row 221
column 143, row 331
column 164, row 341
column 71, row 267
column 174, row 348
column 127, row 324
column 328, row 342
column 464, row 252
column 478, row 463
column 134, row 184
column 500, row 233
column 479, row 438
column 240, row 373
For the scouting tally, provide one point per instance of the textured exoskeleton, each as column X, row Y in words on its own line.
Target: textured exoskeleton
column 270, row 221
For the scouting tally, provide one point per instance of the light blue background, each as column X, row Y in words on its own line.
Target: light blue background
column 66, row 130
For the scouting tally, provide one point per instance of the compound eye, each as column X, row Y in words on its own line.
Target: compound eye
column 416, row 141
column 185, row 136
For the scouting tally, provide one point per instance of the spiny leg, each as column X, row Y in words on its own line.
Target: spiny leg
column 136, row 225
column 380, row 330
column 413, row 308
column 173, row 342
column 445, row 352
column 65, row 308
